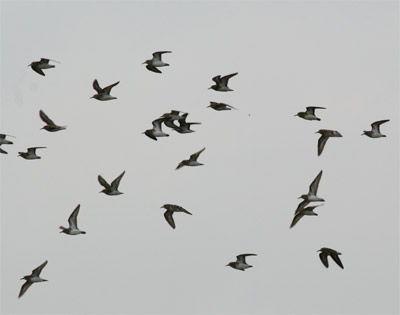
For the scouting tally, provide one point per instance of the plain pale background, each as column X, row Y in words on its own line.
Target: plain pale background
column 258, row 160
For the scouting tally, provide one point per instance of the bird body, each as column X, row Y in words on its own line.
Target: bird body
column 156, row 61
column 240, row 262
column 375, row 129
column 73, row 224
column 221, row 83
column 40, row 65
column 325, row 252
column 111, row 190
column 34, row 277
column 170, row 211
column 156, row 131
column 50, row 125
column 220, row 106
column 309, row 114
column 192, row 161
column 103, row 94
column 31, row 153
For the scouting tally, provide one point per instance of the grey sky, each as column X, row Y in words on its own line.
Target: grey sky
column 258, row 160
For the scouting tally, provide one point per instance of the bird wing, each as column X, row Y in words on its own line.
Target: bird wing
column 314, row 185
column 321, row 144
column 169, row 218
column 33, row 149
column 157, row 54
column 2, row 151
column 217, row 79
column 157, row 123
column 311, row 109
column 296, row 218
column 107, row 89
column 301, row 206
column 24, row 287
column 180, row 165
column 324, row 259
column 103, row 182
column 96, row 86
column 36, row 69
column 242, row 258
column 36, row 272
column 335, row 257
column 194, row 156
column 152, row 68
column 181, row 209
column 225, row 79
column 150, row 135
column 72, row 220
column 46, row 118
column 44, row 60
column 376, row 124
column 115, row 182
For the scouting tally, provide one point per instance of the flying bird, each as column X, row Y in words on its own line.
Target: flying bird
column 31, row 153
column 325, row 252
column 220, row 106
column 325, row 135
column 312, row 194
column 156, row 131
column 309, row 114
column 221, row 83
column 302, row 212
column 192, row 160
column 32, row 278
column 40, row 65
column 153, row 64
column 375, row 131
column 103, row 94
column 169, row 118
column 240, row 262
column 111, row 190
column 73, row 224
column 170, row 211
column 51, row 126
column 184, row 127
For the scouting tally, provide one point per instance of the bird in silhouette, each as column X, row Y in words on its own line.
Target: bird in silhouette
column 220, row 106
column 375, row 131
column 73, row 224
column 325, row 252
column 111, row 190
column 32, row 278
column 31, row 153
column 240, row 262
column 103, row 94
column 50, row 125
column 192, row 161
column 170, row 211
column 39, row 66
column 309, row 114
column 302, row 212
column 155, row 62
column 325, row 135
column 156, row 131
column 221, row 83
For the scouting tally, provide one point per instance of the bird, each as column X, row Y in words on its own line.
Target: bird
column 192, row 160
column 32, row 278
column 312, row 194
column 309, row 114
column 111, row 190
column 325, row 252
column 325, row 135
column 220, row 106
column 240, row 262
column 302, row 212
column 51, row 126
column 221, row 83
column 156, row 131
column 73, row 224
column 153, row 64
column 375, row 131
column 103, row 94
column 43, row 63
column 184, row 127
column 170, row 211
column 31, row 153
column 169, row 118
column 3, row 140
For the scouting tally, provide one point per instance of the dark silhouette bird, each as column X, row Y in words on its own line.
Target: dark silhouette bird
column 302, row 212
column 192, row 161
column 325, row 252
column 51, row 126
column 375, row 131
column 184, row 127
column 155, row 62
column 221, row 83
column 32, row 278
column 39, row 66
column 170, row 211
column 31, row 153
column 73, row 224
column 111, row 190
column 309, row 114
column 156, row 131
column 312, row 194
column 103, row 94
column 325, row 135
column 220, row 106
column 240, row 262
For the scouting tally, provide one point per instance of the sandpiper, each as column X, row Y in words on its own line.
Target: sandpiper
column 51, row 126
column 103, row 94
column 302, row 212
column 111, row 190
column 240, row 262
column 156, row 131
column 325, row 135
column 309, row 114
column 31, row 153
column 375, row 132
column 32, row 278
column 169, row 118
column 192, row 160
column 221, row 83
column 73, row 224
column 170, row 211
column 43, row 63
column 220, row 106
column 184, row 127
column 152, row 64
column 312, row 194
column 325, row 252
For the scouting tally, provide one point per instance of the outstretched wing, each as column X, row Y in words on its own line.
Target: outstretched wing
column 36, row 272
column 115, row 182
column 103, row 182
column 96, row 86
column 321, row 144
column 225, row 79
column 217, row 79
column 337, row 260
column 107, row 89
column 72, row 220
column 311, row 109
column 33, row 149
column 242, row 258
column 24, row 287
column 169, row 218
column 194, row 156
column 296, row 218
column 301, row 206
column 324, row 259
column 376, row 124
column 37, row 69
column 46, row 118
column 157, row 54
column 152, row 68
column 314, row 185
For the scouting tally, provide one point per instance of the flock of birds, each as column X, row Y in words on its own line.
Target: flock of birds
column 168, row 119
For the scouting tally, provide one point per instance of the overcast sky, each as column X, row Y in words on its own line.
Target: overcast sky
column 342, row 55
